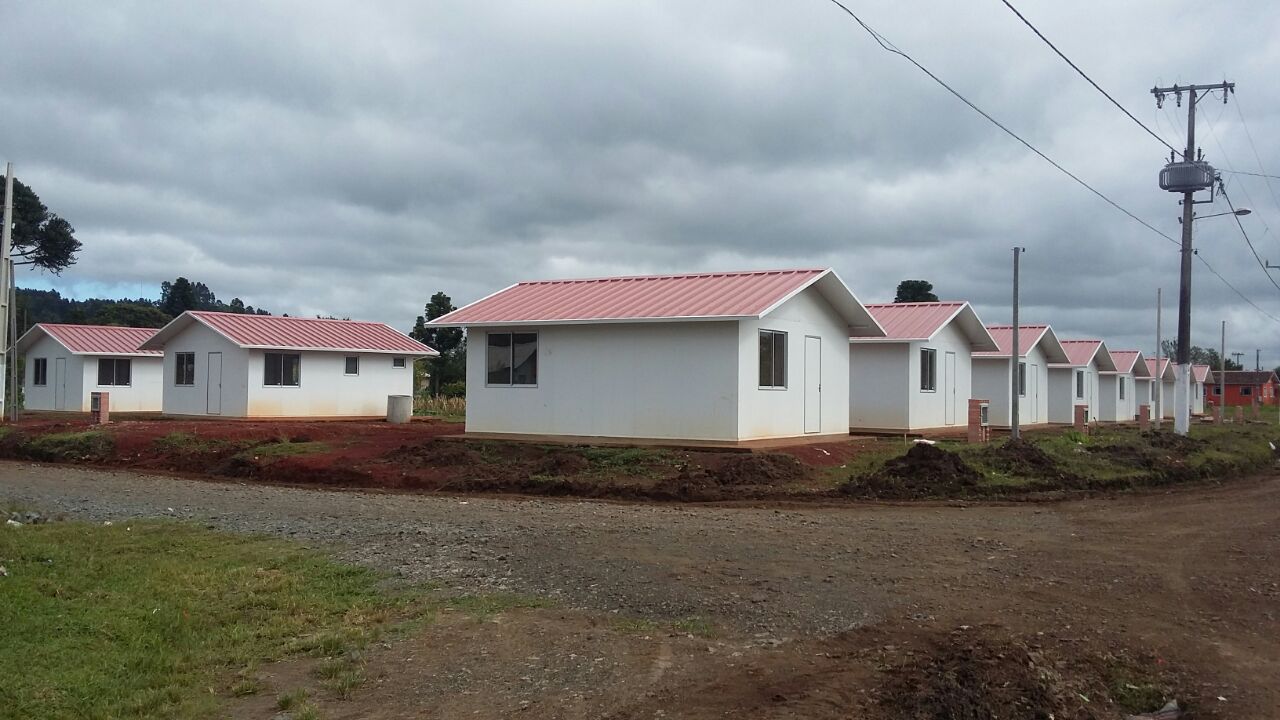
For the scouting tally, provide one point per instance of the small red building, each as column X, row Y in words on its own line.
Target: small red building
column 1245, row 387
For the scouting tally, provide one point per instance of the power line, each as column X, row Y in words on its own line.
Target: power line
column 1082, row 74
column 1233, row 287
column 1227, row 159
column 1262, row 170
column 1249, row 242
column 1252, row 174
column 888, row 46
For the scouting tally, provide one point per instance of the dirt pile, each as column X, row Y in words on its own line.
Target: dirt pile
column 975, row 674
column 1023, row 459
column 758, row 469
column 1164, row 440
column 924, row 471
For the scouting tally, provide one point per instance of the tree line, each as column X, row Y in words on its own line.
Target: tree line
column 176, row 297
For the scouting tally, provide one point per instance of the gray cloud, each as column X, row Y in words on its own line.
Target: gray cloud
column 326, row 158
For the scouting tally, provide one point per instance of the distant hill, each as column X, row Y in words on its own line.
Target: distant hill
column 37, row 306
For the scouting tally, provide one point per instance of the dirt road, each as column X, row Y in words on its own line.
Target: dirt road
column 1189, row 576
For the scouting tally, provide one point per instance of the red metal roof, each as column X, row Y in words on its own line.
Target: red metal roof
column 647, row 297
column 292, row 333
column 1028, row 336
column 1081, row 352
column 1125, row 360
column 1151, row 367
column 1200, row 372
column 913, row 321
column 100, row 339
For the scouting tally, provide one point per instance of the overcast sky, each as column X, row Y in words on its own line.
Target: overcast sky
column 353, row 158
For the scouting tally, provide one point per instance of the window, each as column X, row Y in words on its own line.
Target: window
column 282, row 369
column 928, row 369
column 40, row 371
column 1022, row 379
column 114, row 371
column 773, row 359
column 1121, row 388
column 1080, row 384
column 184, row 368
column 1246, row 391
column 1217, row 389
column 398, row 362
column 352, row 366
column 512, row 359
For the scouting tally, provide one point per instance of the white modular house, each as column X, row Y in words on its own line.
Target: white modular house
column 263, row 366
column 919, row 376
column 1118, row 389
column 1163, row 381
column 712, row 357
column 65, row 364
column 1201, row 380
column 1079, row 380
column 1038, row 347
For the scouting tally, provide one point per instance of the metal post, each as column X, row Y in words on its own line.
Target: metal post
column 1222, row 376
column 1014, row 395
column 6, row 287
column 13, row 342
column 1159, row 386
column 1182, row 390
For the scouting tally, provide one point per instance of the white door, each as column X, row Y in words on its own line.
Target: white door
column 949, row 387
column 812, row 384
column 213, row 389
column 59, row 383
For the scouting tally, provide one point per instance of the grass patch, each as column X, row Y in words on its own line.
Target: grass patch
column 69, row 446
column 276, row 450
column 606, row 457
column 142, row 619
column 185, row 443
column 696, row 626
column 639, row 626
column 291, row 700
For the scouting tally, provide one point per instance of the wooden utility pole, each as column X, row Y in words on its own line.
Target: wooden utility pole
column 1182, row 391
column 7, row 363
column 1159, row 386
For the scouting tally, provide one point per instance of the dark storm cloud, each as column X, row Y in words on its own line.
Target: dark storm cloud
column 328, row 158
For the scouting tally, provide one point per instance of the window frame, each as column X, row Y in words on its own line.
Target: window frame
column 1246, row 391
column 929, row 370
column 1079, row 384
column 399, row 363
column 1121, row 382
column 346, row 365
column 178, row 366
column 1022, row 379
column 115, row 371
column 774, row 369
column 282, row 383
column 511, row 366
column 40, row 372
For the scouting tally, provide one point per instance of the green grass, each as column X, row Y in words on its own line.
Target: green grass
column 272, row 451
column 189, row 443
column 696, row 626
column 291, row 700
column 156, row 619
column 55, row 447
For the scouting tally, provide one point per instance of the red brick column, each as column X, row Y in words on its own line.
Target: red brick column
column 1144, row 417
column 103, row 415
column 978, row 433
column 1080, row 421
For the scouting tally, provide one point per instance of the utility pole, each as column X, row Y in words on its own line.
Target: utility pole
column 1187, row 177
column 1237, row 356
column 1015, row 396
column 1257, row 360
column 1222, row 376
column 6, row 292
column 1159, row 386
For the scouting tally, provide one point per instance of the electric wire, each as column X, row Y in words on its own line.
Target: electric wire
column 888, row 46
column 1227, row 164
column 1248, row 242
column 1082, row 74
column 1256, row 156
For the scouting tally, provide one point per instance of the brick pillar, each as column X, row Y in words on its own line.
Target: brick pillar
column 1144, row 417
column 102, row 413
column 978, row 433
column 1080, row 421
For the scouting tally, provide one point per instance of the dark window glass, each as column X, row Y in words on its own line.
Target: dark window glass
column 773, row 359
column 524, row 359
column 397, row 362
column 114, row 371
column 40, row 372
column 352, row 365
column 1022, row 379
column 1079, row 383
column 1121, row 388
column 282, row 369
column 1246, row 391
column 498, row 359
column 928, row 369
column 184, row 368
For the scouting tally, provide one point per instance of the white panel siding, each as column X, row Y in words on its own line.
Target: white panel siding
column 42, row 397
column 884, row 385
column 992, row 380
column 767, row 413
column 643, row 380
column 145, row 392
column 194, row 399
column 325, row 390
